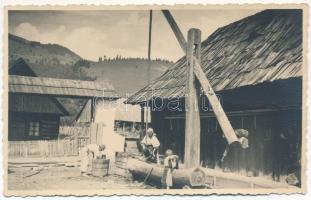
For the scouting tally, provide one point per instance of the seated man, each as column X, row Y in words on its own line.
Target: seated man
column 93, row 150
column 150, row 146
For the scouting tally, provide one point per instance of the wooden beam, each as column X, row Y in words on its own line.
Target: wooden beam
column 192, row 126
column 149, row 65
column 109, row 96
column 180, row 37
column 206, row 86
column 93, row 107
column 142, row 122
column 81, row 111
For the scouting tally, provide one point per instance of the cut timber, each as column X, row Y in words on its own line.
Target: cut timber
column 206, row 86
column 194, row 177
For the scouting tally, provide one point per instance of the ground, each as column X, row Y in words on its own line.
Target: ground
column 63, row 173
column 51, row 176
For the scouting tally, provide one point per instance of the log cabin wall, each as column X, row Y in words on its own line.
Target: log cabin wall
column 27, row 103
column 30, row 126
column 33, row 117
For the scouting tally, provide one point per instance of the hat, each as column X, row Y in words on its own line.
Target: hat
column 150, row 130
column 102, row 147
column 169, row 152
column 241, row 133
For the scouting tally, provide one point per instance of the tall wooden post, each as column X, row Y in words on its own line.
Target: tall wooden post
column 142, row 122
column 205, row 84
column 93, row 106
column 192, row 132
column 148, row 110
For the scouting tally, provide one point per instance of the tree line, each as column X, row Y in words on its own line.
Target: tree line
column 120, row 57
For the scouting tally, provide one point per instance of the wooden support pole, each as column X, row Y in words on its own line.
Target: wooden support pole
column 206, row 86
column 192, row 132
column 81, row 111
column 92, row 109
column 142, row 121
column 148, row 110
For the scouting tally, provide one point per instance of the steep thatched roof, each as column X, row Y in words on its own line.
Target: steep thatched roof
column 261, row 48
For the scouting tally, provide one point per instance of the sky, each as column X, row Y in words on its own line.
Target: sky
column 96, row 33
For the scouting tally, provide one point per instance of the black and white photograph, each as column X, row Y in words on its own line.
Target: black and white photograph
column 154, row 99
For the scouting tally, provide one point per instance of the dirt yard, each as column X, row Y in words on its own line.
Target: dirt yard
column 63, row 177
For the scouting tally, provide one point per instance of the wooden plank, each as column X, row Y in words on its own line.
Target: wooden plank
column 81, row 111
column 208, row 91
column 192, row 126
column 92, row 109
column 142, row 122
column 217, row 108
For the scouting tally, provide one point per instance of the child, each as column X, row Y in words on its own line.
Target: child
column 170, row 163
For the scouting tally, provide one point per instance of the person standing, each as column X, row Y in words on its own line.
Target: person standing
column 231, row 156
column 87, row 154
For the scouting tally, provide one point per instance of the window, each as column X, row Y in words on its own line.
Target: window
column 34, row 128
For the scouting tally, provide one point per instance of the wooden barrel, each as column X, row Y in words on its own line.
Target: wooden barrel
column 100, row 167
column 121, row 159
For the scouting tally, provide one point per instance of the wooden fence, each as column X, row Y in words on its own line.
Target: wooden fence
column 75, row 138
column 43, row 148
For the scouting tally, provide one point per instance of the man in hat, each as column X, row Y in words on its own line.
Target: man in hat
column 150, row 146
column 87, row 154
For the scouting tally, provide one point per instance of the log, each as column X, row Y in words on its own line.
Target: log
column 194, row 177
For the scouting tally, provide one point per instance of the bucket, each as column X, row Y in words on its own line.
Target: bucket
column 100, row 167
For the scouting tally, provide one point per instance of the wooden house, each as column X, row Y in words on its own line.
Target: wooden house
column 255, row 67
column 34, row 111
column 32, row 117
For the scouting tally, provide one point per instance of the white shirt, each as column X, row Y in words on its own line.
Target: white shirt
column 151, row 141
column 94, row 148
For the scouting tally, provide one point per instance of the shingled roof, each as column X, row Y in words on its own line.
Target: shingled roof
column 60, row 87
column 261, row 48
column 25, row 79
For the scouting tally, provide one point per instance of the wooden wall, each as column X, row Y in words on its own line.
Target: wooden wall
column 268, row 153
column 33, row 104
column 266, row 111
column 19, row 126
